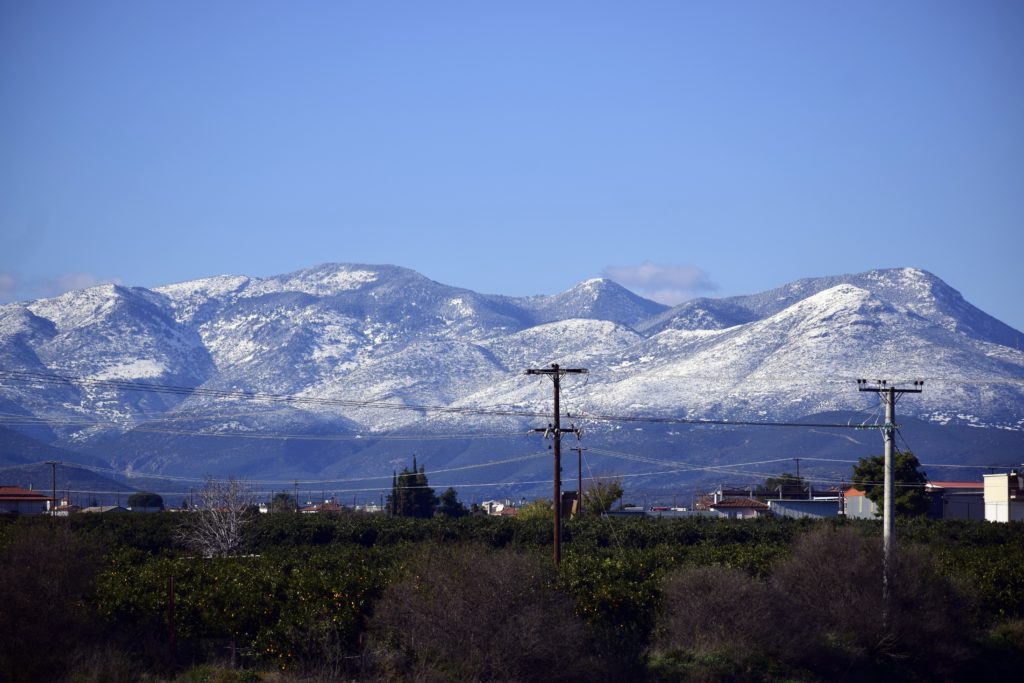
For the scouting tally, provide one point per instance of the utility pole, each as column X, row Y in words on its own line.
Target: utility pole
column 555, row 431
column 888, row 394
column 53, row 486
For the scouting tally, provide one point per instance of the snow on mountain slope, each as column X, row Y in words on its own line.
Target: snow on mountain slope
column 916, row 290
column 22, row 333
column 355, row 333
column 428, row 373
column 568, row 342
column 598, row 299
column 197, row 301
column 113, row 333
column 699, row 314
column 804, row 359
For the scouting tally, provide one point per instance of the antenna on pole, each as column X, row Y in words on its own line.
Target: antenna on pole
column 554, row 430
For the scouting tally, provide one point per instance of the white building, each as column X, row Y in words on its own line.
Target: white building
column 857, row 505
column 1004, row 497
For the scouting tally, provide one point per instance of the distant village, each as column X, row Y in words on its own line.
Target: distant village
column 996, row 498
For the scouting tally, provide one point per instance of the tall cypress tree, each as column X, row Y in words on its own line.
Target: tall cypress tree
column 411, row 496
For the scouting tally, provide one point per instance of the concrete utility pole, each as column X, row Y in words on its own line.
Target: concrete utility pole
column 888, row 393
column 555, row 431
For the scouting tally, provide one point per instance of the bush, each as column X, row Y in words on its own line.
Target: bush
column 46, row 580
column 617, row 594
column 820, row 614
column 469, row 613
column 709, row 606
column 301, row 609
column 834, row 581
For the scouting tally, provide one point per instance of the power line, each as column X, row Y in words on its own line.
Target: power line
column 28, row 377
column 269, row 482
column 838, row 379
column 384, row 405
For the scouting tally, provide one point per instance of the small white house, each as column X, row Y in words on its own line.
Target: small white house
column 857, row 505
column 495, row 507
column 1004, row 497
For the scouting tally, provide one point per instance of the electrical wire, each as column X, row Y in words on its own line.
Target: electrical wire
column 130, row 474
column 29, row 377
column 461, row 410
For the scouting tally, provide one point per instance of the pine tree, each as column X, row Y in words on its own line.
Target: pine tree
column 909, row 481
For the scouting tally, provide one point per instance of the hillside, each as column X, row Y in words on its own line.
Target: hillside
column 348, row 369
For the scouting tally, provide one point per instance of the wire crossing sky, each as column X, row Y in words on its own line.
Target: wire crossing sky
column 681, row 148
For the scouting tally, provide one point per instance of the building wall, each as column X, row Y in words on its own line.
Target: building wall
column 1002, row 498
column 1004, row 512
column 963, row 506
column 860, row 507
column 22, row 507
column 799, row 509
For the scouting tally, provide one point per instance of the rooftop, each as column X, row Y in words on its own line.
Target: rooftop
column 976, row 485
column 11, row 493
column 740, row 503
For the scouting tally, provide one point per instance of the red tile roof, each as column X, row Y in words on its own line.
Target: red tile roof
column 741, row 503
column 977, row 485
column 13, row 493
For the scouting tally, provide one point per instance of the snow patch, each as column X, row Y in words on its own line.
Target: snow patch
column 134, row 369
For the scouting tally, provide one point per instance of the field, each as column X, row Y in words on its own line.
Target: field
column 360, row 597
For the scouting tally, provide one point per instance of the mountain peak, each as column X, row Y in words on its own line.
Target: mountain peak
column 597, row 299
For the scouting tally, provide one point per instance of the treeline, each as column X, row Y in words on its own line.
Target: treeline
column 361, row 597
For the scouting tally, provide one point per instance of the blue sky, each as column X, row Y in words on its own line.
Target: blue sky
column 514, row 148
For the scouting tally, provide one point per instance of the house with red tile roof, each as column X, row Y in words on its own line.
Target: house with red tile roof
column 856, row 505
column 15, row 500
column 739, row 508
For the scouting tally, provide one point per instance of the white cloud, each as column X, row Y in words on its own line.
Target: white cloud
column 13, row 287
column 9, row 283
column 667, row 284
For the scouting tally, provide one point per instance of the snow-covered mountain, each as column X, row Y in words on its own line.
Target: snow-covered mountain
column 370, row 352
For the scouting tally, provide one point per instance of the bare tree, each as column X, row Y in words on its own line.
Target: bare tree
column 215, row 528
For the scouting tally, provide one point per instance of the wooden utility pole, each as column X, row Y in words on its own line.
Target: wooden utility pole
column 888, row 393
column 554, row 430
column 53, row 486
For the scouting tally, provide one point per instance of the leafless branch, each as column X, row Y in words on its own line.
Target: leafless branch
column 215, row 528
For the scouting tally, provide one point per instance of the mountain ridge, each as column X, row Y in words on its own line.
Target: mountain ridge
column 338, row 337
